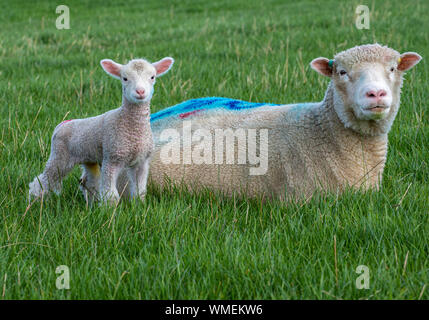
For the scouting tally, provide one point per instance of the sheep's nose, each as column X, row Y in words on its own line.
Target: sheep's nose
column 140, row 92
column 372, row 94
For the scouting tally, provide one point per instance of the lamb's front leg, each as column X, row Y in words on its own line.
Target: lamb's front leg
column 130, row 188
column 142, row 175
column 109, row 176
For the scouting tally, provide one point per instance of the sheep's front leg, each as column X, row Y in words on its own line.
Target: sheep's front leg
column 109, row 176
column 142, row 175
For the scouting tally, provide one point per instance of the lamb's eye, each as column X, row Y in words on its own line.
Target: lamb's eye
column 153, row 77
column 125, row 79
column 343, row 72
column 392, row 69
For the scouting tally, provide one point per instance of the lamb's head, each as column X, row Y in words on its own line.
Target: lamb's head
column 137, row 76
column 367, row 83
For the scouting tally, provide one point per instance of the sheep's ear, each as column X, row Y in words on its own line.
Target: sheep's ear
column 112, row 68
column 408, row 60
column 163, row 65
column 321, row 65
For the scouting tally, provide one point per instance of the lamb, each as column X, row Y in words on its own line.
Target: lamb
column 118, row 141
column 338, row 143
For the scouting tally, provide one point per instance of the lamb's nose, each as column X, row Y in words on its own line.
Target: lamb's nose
column 140, row 92
column 372, row 94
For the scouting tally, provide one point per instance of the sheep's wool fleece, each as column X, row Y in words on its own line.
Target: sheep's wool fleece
column 311, row 146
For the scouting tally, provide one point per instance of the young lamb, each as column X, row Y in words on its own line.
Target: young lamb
column 119, row 140
column 337, row 143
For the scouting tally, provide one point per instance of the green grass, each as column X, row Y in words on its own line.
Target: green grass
column 178, row 245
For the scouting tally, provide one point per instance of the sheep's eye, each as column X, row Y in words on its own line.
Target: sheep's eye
column 153, row 77
column 392, row 69
column 125, row 79
column 343, row 72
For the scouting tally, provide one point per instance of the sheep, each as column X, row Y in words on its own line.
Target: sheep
column 119, row 140
column 328, row 146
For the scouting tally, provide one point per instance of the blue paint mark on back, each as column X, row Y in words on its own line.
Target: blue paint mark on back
column 207, row 104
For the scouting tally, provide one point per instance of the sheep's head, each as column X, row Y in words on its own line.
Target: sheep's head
column 137, row 76
column 368, row 80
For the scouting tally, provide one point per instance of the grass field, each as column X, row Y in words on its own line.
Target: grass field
column 178, row 245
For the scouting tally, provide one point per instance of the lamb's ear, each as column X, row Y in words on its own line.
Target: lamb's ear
column 322, row 66
column 408, row 60
column 112, row 68
column 162, row 66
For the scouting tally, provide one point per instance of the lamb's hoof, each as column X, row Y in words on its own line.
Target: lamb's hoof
column 112, row 201
column 36, row 191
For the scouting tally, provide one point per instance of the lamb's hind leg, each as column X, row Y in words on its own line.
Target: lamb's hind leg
column 90, row 182
column 57, row 167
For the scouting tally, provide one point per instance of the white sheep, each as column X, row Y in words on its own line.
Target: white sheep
column 119, row 140
column 337, row 143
